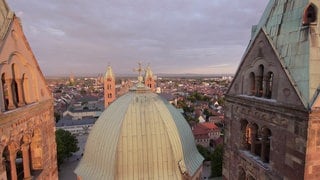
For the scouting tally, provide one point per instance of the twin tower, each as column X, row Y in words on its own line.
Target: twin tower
column 110, row 84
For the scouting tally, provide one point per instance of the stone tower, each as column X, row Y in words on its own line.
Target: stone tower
column 149, row 80
column 273, row 106
column 27, row 146
column 109, row 87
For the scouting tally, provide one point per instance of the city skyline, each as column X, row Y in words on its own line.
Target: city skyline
column 207, row 37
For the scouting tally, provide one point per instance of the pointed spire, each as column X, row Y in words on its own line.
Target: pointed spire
column 109, row 73
column 149, row 73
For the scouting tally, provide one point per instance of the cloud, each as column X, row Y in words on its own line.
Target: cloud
column 54, row 31
column 172, row 35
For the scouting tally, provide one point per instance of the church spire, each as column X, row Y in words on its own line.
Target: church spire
column 149, row 80
column 109, row 87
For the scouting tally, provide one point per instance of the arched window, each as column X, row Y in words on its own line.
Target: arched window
column 5, row 91
column 252, row 131
column 260, row 81
column 309, row 15
column 265, row 144
column 252, row 85
column 269, row 85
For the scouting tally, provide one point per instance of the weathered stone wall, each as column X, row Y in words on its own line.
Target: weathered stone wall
column 288, row 126
column 36, row 122
column 312, row 169
column 27, row 126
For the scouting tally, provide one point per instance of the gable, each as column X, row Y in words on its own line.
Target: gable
column 262, row 75
column 18, row 66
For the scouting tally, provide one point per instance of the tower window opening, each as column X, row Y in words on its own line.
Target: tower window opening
column 310, row 15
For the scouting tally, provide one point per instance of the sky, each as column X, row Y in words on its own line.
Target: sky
column 172, row 36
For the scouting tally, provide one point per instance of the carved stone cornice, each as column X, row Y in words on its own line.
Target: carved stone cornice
column 25, row 113
column 262, row 109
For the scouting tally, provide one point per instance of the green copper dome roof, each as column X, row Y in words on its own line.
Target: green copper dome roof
column 140, row 136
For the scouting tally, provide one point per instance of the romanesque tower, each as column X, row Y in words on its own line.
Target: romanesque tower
column 149, row 80
column 273, row 104
column 109, row 87
column 27, row 146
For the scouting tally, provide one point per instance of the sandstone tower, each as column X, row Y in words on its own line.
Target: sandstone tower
column 149, row 80
column 272, row 106
column 27, row 146
column 109, row 87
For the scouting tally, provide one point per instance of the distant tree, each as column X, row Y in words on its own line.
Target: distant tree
column 207, row 112
column 66, row 145
column 216, row 161
column 221, row 101
column 204, row 152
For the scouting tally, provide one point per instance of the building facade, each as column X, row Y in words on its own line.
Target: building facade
column 272, row 106
column 27, row 146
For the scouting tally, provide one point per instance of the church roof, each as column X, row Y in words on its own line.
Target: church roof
column 140, row 136
column 282, row 24
column 6, row 17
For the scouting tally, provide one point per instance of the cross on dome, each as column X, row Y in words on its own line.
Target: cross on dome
column 139, row 70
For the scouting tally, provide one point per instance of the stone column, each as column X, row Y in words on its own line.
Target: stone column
column 263, row 148
column 258, row 85
column 20, row 92
column 253, row 139
column 10, row 94
column 2, row 103
column 12, row 156
column 265, row 86
column 26, row 161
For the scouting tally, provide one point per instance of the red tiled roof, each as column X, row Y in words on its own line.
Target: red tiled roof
column 204, row 128
column 209, row 125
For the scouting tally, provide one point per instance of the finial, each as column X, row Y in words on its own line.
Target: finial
column 139, row 70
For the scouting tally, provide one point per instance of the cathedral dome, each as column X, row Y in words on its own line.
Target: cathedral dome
column 140, row 136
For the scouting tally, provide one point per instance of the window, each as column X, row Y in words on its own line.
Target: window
column 265, row 144
column 310, row 15
column 261, row 84
column 256, row 141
